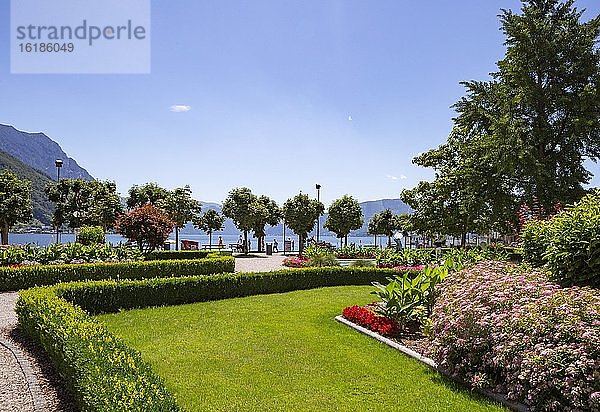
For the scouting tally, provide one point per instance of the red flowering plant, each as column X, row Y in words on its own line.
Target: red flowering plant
column 295, row 262
column 367, row 318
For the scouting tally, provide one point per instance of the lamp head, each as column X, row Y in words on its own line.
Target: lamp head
column 58, row 163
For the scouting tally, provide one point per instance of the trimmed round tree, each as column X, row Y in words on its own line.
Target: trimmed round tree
column 343, row 216
column 210, row 221
column 15, row 202
column 181, row 208
column 147, row 226
column 301, row 214
column 240, row 207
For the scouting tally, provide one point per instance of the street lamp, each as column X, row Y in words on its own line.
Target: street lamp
column 318, row 187
column 58, row 163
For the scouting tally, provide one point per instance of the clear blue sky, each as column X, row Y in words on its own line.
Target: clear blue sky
column 283, row 94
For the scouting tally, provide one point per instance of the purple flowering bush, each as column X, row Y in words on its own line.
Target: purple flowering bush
column 512, row 331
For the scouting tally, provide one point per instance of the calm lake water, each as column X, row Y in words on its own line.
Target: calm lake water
column 44, row 239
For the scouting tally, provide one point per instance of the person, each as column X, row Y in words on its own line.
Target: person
column 275, row 246
column 220, row 242
column 292, row 245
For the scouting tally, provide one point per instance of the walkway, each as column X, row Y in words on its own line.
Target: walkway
column 258, row 262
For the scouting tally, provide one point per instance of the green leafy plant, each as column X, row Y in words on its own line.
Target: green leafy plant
column 91, row 235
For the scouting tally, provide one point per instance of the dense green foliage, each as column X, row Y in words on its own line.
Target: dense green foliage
column 149, row 193
column 101, row 372
column 283, row 352
column 522, row 137
column 177, row 254
column 43, row 209
column 238, row 206
column 209, row 222
column 15, row 278
column 301, row 214
column 147, row 226
column 265, row 212
column 569, row 243
column 82, row 202
column 15, row 202
column 181, row 208
column 383, row 223
column 343, row 216
column 91, row 235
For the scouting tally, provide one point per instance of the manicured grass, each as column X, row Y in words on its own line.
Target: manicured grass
column 283, row 352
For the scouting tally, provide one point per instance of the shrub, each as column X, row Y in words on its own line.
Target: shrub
column 327, row 259
column 177, row 254
column 367, row 318
column 534, row 241
column 100, row 370
column 28, row 276
column 294, row 262
column 361, row 263
column 356, row 252
column 146, row 225
column 513, row 332
column 91, row 235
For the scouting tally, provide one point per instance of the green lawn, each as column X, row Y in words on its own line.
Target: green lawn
column 283, row 352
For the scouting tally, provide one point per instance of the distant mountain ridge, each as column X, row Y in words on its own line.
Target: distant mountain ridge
column 39, row 151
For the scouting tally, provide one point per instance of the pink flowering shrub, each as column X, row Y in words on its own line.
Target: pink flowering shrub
column 295, row 262
column 514, row 332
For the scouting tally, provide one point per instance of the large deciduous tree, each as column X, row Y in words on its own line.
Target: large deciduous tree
column 265, row 212
column 383, row 223
column 238, row 206
column 148, row 193
column 522, row 137
column 300, row 214
column 209, row 222
column 180, row 207
column 343, row 216
column 147, row 225
column 15, row 202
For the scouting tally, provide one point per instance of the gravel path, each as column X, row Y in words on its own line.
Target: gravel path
column 27, row 380
column 258, row 263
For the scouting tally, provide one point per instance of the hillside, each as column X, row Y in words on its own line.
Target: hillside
column 39, row 151
column 42, row 207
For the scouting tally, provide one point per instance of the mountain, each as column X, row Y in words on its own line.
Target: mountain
column 39, row 151
column 369, row 209
column 42, row 207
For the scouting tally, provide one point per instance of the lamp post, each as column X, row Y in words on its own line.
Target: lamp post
column 58, row 163
column 318, row 187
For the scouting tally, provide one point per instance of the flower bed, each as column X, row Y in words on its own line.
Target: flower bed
column 367, row 318
column 514, row 332
column 295, row 262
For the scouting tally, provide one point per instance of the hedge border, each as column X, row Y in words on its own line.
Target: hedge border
column 15, row 278
column 177, row 254
column 100, row 370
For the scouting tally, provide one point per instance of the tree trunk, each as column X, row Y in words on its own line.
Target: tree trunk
column 463, row 239
column 245, row 242
column 300, row 245
column 210, row 240
column 176, row 238
column 375, row 240
column 5, row 234
column 389, row 241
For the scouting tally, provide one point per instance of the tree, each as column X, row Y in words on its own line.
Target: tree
column 300, row 214
column 210, row 221
column 180, row 207
column 239, row 206
column 343, row 216
column 85, row 203
column 520, row 138
column 147, row 225
column 265, row 212
column 15, row 202
column 383, row 223
column 148, row 193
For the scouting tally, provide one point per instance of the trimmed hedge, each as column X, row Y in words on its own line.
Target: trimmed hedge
column 177, row 254
column 100, row 370
column 15, row 278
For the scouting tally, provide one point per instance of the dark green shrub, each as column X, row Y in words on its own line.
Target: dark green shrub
column 15, row 278
column 177, row 254
column 535, row 242
column 326, row 259
column 91, row 235
column 573, row 248
column 361, row 263
column 100, row 370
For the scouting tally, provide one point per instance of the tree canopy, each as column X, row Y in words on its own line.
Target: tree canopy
column 238, row 206
column 15, row 202
column 300, row 214
column 209, row 222
column 180, row 207
column 150, row 193
column 343, row 216
column 147, row 225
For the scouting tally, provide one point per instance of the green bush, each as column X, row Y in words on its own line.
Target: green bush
column 101, row 371
column 91, row 235
column 573, row 243
column 534, row 241
column 14, row 278
column 177, row 254
column 362, row 263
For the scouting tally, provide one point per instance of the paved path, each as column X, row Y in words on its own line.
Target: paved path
column 258, row 263
column 27, row 381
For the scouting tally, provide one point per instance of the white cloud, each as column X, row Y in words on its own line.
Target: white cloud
column 395, row 178
column 350, row 118
column 180, row 108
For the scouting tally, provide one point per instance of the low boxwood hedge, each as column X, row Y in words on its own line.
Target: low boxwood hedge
column 177, row 254
column 100, row 370
column 15, row 278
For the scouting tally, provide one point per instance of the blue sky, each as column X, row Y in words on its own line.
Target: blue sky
column 282, row 95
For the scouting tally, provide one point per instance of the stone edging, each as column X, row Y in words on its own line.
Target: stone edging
column 519, row 407
column 38, row 400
